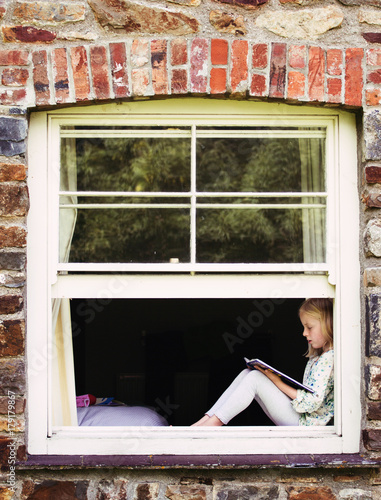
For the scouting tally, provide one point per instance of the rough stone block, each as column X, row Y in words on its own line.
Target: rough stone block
column 372, row 135
column 12, row 376
column 159, row 66
column 227, row 23
column 199, row 65
column 374, row 76
column 16, row 423
column 185, row 492
column 372, row 37
column 12, row 279
column 372, row 276
column 219, row 51
column 76, row 490
column 278, row 70
column 119, row 73
column 373, row 174
column 136, row 18
column 372, row 380
column 260, row 56
column 373, row 97
column 10, row 304
column 372, row 318
column 310, row 493
column 372, row 197
column 51, row 13
column 238, row 492
column 374, row 410
column 27, row 34
column 18, row 405
column 373, row 57
column 12, row 236
column 80, row 69
column 218, row 80
column 61, row 78
column 146, row 491
column 372, row 439
column 108, row 490
column 247, row 4
column 179, row 81
column 355, row 494
column 239, row 69
column 12, row 338
column 12, row 129
column 99, row 72
column 14, row 200
column 179, row 52
column 372, row 237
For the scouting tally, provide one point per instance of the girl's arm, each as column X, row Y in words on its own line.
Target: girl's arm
column 291, row 392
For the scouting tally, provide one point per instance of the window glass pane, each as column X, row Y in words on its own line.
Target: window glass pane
column 263, row 236
column 260, row 164
column 133, row 235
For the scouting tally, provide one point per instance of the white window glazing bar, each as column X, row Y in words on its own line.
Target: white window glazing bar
column 225, row 206
column 202, row 194
column 193, row 198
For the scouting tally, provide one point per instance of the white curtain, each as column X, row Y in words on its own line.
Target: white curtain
column 313, row 180
column 64, row 411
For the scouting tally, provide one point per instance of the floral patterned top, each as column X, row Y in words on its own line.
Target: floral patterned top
column 316, row 408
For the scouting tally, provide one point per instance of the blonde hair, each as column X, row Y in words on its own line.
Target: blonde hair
column 322, row 310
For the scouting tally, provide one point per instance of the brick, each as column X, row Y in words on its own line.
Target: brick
column 373, row 174
column 139, row 53
column 14, row 77
column 61, row 77
column 374, row 76
column 12, row 172
column 353, row 76
column 372, row 37
column 118, row 58
column 373, row 57
column 372, row 382
column 260, row 56
column 373, row 97
column 372, row 439
column 52, row 489
column 80, row 69
column 179, row 81
column 27, row 34
column 15, row 97
column 374, row 410
column 316, row 74
column 40, row 77
column 199, row 65
column 218, row 80
column 12, row 261
column 5, row 444
column 243, row 491
column 239, row 66
column 12, row 236
column 296, row 85
column 219, row 51
column 179, row 52
column 14, row 200
column 14, row 58
column 52, row 12
column 159, row 66
column 147, row 491
column 258, row 85
column 185, row 492
column 278, row 70
column 10, row 304
column 11, row 338
column 248, row 4
column 334, row 62
column 297, row 56
column 99, row 72
column 310, row 493
column 140, row 81
column 334, row 87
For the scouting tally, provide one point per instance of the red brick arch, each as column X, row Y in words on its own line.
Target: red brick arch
column 217, row 67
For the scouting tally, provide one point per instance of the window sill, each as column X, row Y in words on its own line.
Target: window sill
column 355, row 460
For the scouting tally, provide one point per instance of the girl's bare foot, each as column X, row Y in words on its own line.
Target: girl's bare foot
column 201, row 421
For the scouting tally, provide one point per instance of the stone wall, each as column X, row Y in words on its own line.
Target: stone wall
column 79, row 52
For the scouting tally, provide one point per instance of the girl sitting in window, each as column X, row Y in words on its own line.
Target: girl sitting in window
column 283, row 404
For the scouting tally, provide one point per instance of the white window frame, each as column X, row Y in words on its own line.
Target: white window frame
column 342, row 284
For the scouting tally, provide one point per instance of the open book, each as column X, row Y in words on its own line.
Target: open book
column 252, row 363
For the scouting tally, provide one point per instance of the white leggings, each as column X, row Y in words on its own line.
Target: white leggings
column 250, row 385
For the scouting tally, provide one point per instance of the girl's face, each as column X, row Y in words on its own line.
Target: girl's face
column 312, row 331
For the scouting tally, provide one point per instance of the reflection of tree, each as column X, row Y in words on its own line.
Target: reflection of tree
column 163, row 164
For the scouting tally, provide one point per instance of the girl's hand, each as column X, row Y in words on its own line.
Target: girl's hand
column 276, row 380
